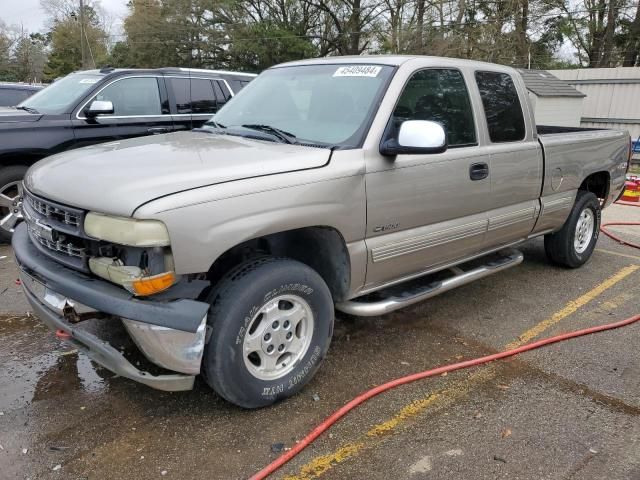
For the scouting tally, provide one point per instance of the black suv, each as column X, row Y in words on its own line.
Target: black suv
column 14, row 93
column 96, row 106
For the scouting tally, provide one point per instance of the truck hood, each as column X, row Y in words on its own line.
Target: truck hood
column 117, row 177
column 11, row 114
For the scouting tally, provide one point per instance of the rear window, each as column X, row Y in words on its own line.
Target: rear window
column 502, row 108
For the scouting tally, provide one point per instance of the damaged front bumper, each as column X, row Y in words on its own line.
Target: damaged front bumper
column 170, row 334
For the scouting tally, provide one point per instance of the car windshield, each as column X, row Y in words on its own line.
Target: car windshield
column 319, row 104
column 62, row 95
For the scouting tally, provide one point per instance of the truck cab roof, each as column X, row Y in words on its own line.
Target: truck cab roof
column 398, row 60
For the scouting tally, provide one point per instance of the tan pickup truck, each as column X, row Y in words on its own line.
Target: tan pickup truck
column 365, row 184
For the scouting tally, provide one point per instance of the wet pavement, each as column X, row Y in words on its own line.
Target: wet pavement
column 569, row 411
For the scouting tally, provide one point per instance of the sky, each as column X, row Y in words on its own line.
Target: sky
column 29, row 14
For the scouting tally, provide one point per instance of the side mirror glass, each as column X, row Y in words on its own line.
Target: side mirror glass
column 99, row 107
column 416, row 137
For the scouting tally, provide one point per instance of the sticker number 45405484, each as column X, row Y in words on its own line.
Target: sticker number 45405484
column 358, row 71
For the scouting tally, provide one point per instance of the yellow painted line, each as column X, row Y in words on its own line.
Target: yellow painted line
column 572, row 307
column 619, row 254
column 321, row 464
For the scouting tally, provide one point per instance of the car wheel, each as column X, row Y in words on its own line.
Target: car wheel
column 271, row 323
column 573, row 245
column 10, row 199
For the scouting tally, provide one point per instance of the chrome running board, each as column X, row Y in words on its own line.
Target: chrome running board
column 393, row 298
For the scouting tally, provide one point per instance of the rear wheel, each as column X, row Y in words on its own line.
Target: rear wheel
column 10, row 199
column 573, row 245
column 271, row 320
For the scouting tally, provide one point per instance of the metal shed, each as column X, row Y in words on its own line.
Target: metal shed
column 554, row 101
column 613, row 96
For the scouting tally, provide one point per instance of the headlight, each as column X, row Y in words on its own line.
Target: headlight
column 133, row 279
column 126, row 231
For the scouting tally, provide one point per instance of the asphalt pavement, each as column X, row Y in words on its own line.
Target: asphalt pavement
column 569, row 411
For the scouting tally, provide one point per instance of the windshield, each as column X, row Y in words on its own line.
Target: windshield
column 321, row 104
column 62, row 95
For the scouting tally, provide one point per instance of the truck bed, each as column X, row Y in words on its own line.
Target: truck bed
column 571, row 154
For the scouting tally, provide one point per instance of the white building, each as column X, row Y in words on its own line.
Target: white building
column 613, row 96
column 554, row 101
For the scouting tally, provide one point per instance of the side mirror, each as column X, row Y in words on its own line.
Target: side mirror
column 99, row 107
column 416, row 137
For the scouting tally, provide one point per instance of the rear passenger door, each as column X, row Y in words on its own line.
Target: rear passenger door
column 204, row 103
column 194, row 100
column 515, row 161
column 140, row 107
column 426, row 210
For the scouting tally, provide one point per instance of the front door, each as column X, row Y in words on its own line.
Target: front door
column 428, row 210
column 138, row 110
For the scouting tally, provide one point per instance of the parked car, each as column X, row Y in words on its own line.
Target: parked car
column 13, row 93
column 97, row 106
column 364, row 183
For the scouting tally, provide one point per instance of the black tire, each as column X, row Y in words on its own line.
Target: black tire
column 560, row 246
column 9, row 175
column 239, row 298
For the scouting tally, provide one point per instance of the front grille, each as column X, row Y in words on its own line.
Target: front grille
column 57, row 230
column 54, row 212
column 61, row 245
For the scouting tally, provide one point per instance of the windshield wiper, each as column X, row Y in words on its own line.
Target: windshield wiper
column 28, row 109
column 286, row 137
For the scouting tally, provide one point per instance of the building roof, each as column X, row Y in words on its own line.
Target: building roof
column 544, row 84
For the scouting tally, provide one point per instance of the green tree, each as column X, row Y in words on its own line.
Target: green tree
column 66, row 55
column 6, row 44
column 29, row 57
column 259, row 46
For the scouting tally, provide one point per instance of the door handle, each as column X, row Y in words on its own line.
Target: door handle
column 157, row 130
column 478, row 171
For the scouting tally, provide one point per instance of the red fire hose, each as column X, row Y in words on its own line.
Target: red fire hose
column 363, row 397
column 604, row 230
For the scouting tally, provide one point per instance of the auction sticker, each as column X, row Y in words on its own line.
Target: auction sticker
column 358, row 71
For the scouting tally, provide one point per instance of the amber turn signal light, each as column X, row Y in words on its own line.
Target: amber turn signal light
column 149, row 285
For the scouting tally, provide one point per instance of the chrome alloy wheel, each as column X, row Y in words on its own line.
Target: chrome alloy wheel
column 278, row 337
column 584, row 230
column 10, row 205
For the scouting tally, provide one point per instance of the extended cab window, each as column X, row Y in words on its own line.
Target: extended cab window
column 439, row 95
column 133, row 97
column 501, row 106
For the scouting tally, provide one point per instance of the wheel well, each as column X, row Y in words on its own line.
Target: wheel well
column 321, row 248
column 19, row 159
column 597, row 183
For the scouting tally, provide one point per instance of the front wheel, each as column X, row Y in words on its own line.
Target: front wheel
column 573, row 245
column 271, row 321
column 10, row 199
